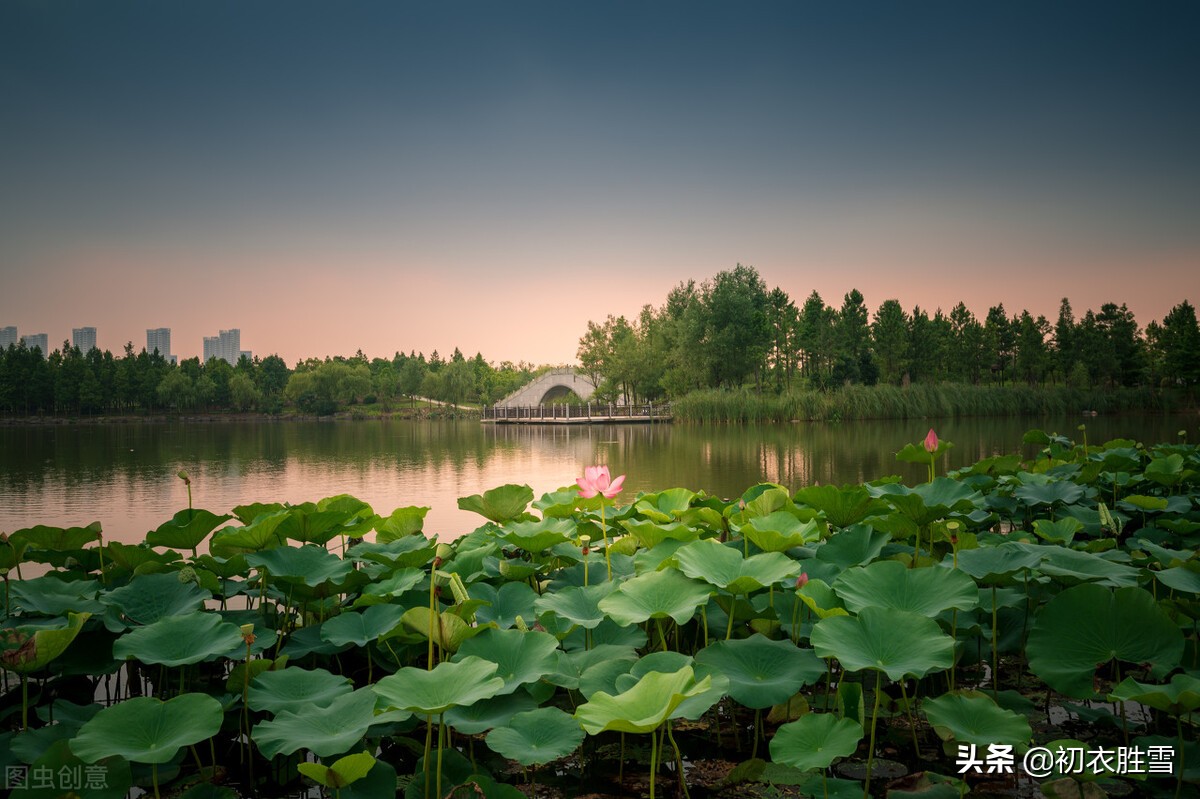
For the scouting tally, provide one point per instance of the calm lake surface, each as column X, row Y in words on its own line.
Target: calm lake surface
column 124, row 475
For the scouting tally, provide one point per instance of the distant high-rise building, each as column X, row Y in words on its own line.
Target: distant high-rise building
column 227, row 345
column 8, row 335
column 159, row 338
column 247, row 354
column 40, row 340
column 84, row 338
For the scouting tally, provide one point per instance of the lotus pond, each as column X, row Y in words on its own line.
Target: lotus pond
column 853, row 641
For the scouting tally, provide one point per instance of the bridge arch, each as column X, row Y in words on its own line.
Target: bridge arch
column 550, row 386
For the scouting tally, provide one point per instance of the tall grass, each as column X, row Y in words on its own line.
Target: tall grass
column 917, row 401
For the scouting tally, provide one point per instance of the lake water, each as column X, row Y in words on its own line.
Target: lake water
column 124, row 475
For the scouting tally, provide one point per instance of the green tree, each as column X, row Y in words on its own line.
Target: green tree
column 242, row 391
column 737, row 334
column 783, row 319
column 1066, row 353
column 1179, row 344
column 965, row 345
column 1032, row 359
column 852, row 337
column 175, row 390
column 999, row 342
column 890, row 341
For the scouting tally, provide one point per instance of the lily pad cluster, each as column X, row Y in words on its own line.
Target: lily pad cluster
column 326, row 643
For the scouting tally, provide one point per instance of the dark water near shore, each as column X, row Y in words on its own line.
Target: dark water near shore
column 124, row 475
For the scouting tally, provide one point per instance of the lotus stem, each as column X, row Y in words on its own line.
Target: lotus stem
column 24, row 701
column 1182, row 755
column 678, row 761
column 441, row 724
column 653, row 759
column 154, row 778
column 995, row 650
column 428, row 749
column 912, row 722
column 756, row 732
column 661, row 637
column 604, row 533
column 874, row 720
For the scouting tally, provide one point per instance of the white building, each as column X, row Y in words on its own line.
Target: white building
column 84, row 339
column 159, row 338
column 39, row 340
column 8, row 335
column 226, row 345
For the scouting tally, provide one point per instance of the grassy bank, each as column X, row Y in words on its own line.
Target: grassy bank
column 914, row 402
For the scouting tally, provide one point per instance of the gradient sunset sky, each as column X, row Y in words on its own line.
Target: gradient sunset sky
column 329, row 176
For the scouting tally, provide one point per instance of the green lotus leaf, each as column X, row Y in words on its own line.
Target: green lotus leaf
column 308, row 564
column 573, row 665
column 262, row 533
column 668, row 662
column 1166, row 471
column 402, row 523
column 1181, row 695
column 361, row 628
column 413, row 551
column 853, row 546
column 56, row 758
column 820, row 599
column 1180, row 578
column 398, row 582
column 897, row 642
column 150, row 597
column 520, row 657
column 449, row 630
column 1139, row 503
column 294, row 689
column 446, row 685
column 1059, row 531
column 664, row 506
column 537, row 536
column 655, row 595
column 842, row 506
column 147, row 730
column 1165, row 556
column 815, row 741
column 916, row 453
column 651, row 533
column 536, row 737
column 51, row 596
column 343, row 772
column 179, row 640
column 762, row 672
column 27, row 649
column 56, row 539
column 324, row 730
column 505, row 603
column 1071, row 566
column 339, row 515
column 724, row 567
column 991, row 563
column 481, row 716
column 889, row 584
column 976, row 719
column 577, row 604
column 505, row 503
column 644, row 706
column 780, row 531
column 186, row 530
column 1049, row 493
column 1087, row 626
column 763, row 499
column 558, row 504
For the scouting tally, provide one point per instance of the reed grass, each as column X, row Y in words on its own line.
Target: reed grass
column 909, row 402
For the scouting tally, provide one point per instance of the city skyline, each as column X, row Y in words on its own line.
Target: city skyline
column 492, row 178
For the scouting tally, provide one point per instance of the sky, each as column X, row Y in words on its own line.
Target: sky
column 387, row 176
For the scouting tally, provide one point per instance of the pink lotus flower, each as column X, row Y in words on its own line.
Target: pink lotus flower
column 931, row 441
column 801, row 581
column 596, row 480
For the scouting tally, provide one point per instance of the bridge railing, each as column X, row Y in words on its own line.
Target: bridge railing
column 597, row 411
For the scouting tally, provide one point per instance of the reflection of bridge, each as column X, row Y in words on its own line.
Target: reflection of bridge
column 539, row 403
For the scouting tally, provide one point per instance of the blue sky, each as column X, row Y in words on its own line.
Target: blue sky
column 492, row 175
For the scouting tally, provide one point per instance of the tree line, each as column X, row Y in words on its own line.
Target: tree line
column 70, row 382
column 731, row 331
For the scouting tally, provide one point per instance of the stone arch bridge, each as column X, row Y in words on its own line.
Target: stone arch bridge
column 548, row 387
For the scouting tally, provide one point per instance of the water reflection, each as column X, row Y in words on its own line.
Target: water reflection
column 125, row 474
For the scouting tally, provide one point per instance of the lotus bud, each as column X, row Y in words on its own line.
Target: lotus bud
column 801, row 581
column 931, row 441
column 521, row 625
column 248, row 633
column 184, row 476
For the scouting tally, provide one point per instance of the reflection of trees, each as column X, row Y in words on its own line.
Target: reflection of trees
column 125, row 473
